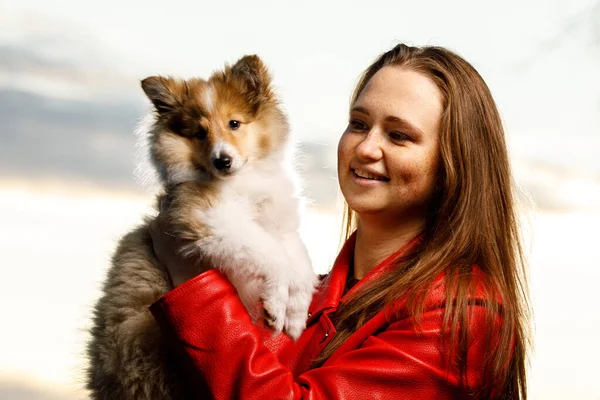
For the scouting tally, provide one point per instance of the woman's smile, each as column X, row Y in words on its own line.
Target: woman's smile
column 367, row 177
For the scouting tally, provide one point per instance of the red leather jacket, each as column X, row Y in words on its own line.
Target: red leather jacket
column 383, row 359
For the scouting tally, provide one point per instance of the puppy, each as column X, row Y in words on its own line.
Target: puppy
column 218, row 146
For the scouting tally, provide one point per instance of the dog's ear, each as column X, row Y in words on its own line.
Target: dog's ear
column 161, row 93
column 255, row 80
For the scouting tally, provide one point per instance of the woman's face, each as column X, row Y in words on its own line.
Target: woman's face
column 388, row 157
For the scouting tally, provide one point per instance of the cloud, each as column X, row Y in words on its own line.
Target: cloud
column 555, row 188
column 93, row 142
column 45, row 56
column 18, row 59
column 42, row 137
column 68, row 114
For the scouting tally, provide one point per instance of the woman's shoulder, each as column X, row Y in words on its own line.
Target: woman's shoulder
column 479, row 292
column 479, row 289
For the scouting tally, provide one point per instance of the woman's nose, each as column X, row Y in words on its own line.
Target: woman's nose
column 370, row 147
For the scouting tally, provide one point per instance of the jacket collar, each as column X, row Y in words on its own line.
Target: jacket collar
column 331, row 289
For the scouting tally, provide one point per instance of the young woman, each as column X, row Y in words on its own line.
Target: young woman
column 427, row 298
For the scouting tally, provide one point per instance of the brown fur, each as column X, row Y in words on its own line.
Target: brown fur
column 128, row 357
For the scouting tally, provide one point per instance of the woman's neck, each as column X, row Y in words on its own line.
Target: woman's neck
column 375, row 242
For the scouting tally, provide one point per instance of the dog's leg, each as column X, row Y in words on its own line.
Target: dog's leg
column 302, row 281
column 300, row 274
column 237, row 245
column 128, row 356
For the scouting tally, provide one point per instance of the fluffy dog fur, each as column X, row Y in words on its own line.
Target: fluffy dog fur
column 218, row 146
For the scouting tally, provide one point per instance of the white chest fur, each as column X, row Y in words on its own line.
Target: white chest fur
column 254, row 240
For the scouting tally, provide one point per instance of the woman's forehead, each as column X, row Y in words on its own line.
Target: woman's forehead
column 405, row 94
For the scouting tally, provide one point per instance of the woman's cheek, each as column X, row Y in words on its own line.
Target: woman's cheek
column 343, row 150
column 415, row 177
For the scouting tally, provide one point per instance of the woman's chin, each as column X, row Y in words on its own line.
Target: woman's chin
column 365, row 207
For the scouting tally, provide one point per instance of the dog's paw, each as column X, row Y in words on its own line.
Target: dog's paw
column 294, row 325
column 300, row 297
column 274, row 308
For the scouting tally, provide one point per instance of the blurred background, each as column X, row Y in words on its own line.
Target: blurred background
column 70, row 100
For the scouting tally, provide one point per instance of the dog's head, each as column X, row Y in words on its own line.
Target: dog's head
column 210, row 129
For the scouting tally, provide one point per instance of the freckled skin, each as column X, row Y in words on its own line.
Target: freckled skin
column 373, row 140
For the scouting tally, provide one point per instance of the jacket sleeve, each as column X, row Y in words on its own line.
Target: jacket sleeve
column 210, row 326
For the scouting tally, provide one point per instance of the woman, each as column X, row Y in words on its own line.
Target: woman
column 427, row 298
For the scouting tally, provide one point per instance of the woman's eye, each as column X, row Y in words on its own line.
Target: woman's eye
column 357, row 125
column 398, row 136
column 200, row 133
column 233, row 124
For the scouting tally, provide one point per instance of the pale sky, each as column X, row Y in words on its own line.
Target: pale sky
column 316, row 49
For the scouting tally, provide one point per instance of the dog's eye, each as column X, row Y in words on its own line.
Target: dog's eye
column 233, row 124
column 200, row 133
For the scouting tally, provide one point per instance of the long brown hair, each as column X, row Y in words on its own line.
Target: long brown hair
column 473, row 221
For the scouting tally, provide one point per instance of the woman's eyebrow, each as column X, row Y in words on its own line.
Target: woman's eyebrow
column 360, row 110
column 404, row 123
column 391, row 118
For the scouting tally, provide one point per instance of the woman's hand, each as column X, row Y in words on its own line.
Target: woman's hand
column 168, row 250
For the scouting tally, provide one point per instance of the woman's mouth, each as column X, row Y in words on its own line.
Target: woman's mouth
column 369, row 176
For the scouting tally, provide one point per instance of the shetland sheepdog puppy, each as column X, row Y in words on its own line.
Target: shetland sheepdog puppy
column 218, row 146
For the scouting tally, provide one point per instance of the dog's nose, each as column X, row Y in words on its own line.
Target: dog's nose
column 222, row 163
